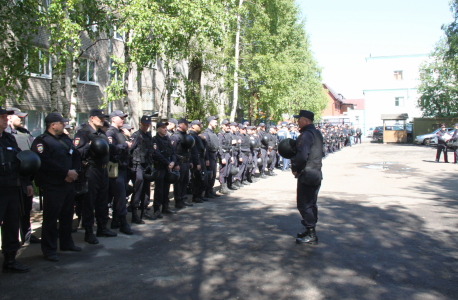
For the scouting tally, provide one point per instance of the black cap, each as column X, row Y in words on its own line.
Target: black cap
column 233, row 124
column 273, row 126
column 183, row 120
column 246, row 123
column 146, row 120
column 4, row 111
column 126, row 126
column 118, row 113
column 106, row 124
column 250, row 127
column 262, row 124
column 161, row 123
column 55, row 117
column 95, row 112
column 211, row 118
column 306, row 114
column 174, row 121
column 17, row 112
column 196, row 122
column 225, row 122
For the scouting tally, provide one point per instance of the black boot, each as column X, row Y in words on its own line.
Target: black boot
column 90, row 237
column 232, row 187
column 307, row 237
column 270, row 173
column 238, row 184
column 263, row 175
column 135, row 218
column 224, row 189
column 124, row 226
column 214, row 194
column 115, row 222
column 209, row 195
column 10, row 265
column 166, row 210
column 196, row 199
column 245, row 182
column 249, row 178
column 149, row 216
column 103, row 231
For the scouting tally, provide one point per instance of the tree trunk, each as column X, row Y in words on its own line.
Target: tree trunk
column 54, row 84
column 169, row 93
column 195, row 80
column 63, row 94
column 236, row 76
column 126, row 78
column 74, row 92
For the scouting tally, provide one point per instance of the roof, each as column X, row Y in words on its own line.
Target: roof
column 395, row 116
column 358, row 104
column 336, row 96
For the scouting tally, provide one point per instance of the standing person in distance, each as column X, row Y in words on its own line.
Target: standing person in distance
column 454, row 139
column 225, row 155
column 306, row 167
column 213, row 147
column 200, row 180
column 441, row 146
column 272, row 150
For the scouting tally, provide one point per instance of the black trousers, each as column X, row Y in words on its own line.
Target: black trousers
column 200, row 185
column 58, row 205
column 142, row 189
column 25, row 226
column 264, row 160
column 441, row 148
column 161, row 190
column 212, row 167
column 9, row 218
column 118, row 190
column 224, row 168
column 455, row 155
column 96, row 197
column 242, row 166
column 273, row 156
column 179, row 188
column 307, row 197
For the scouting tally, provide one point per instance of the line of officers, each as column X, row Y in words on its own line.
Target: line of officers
column 335, row 137
column 93, row 170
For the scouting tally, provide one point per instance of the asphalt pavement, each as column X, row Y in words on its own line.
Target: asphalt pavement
column 387, row 229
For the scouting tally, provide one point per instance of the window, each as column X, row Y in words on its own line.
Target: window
column 82, row 118
column 397, row 75
column 399, row 101
column 119, row 35
column 175, row 89
column 87, row 71
column 40, row 64
column 115, row 74
column 34, row 122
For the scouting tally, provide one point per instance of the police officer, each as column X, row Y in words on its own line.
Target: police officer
column 212, row 147
column 59, row 169
column 232, row 183
column 187, row 158
column 272, row 150
column 172, row 127
column 199, row 176
column 117, row 186
column 164, row 161
column 245, row 155
column 95, row 162
column 441, row 146
column 24, row 140
column 282, row 134
column 225, row 155
column 264, row 148
column 142, row 157
column 255, row 153
column 10, row 196
column 306, row 167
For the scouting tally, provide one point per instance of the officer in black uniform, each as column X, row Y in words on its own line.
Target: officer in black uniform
column 232, row 183
column 239, row 157
column 164, row 161
column 272, row 150
column 199, row 176
column 255, row 152
column 96, row 174
column 306, row 167
column 212, row 147
column 264, row 148
column 245, row 154
column 117, row 186
column 225, row 155
column 60, row 163
column 142, row 157
column 24, row 140
column 187, row 158
column 441, row 145
column 10, row 196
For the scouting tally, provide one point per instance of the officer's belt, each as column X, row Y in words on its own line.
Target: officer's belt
column 183, row 159
column 98, row 166
column 227, row 151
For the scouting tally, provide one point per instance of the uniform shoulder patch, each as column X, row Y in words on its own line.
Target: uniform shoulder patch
column 154, row 146
column 110, row 139
column 76, row 142
column 40, row 148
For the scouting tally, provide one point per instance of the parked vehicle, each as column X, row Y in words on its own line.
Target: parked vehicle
column 378, row 133
column 429, row 138
column 370, row 132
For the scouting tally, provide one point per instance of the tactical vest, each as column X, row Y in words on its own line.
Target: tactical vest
column 236, row 137
column 227, row 141
column 142, row 153
column 315, row 157
column 213, row 142
column 180, row 150
column 23, row 140
column 60, row 154
column 165, row 148
column 245, row 147
column 273, row 141
column 200, row 147
column 93, row 136
column 9, row 163
column 124, row 158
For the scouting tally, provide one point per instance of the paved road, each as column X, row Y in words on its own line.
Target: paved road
column 387, row 229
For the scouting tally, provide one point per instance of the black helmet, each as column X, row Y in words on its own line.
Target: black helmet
column 99, row 148
column 287, row 148
column 234, row 170
column 253, row 144
column 30, row 163
column 172, row 176
column 150, row 174
column 129, row 190
column 269, row 160
column 265, row 140
column 259, row 162
column 81, row 187
column 189, row 142
column 250, row 166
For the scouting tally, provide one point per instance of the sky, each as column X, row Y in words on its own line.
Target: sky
column 344, row 33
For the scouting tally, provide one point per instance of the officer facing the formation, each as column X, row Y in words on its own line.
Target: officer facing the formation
column 164, row 161
column 10, row 196
column 117, row 185
column 272, row 150
column 225, row 154
column 187, row 158
column 142, row 157
column 60, row 163
column 92, row 143
column 306, row 167
column 24, row 140
column 441, row 146
column 199, row 176
column 212, row 147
